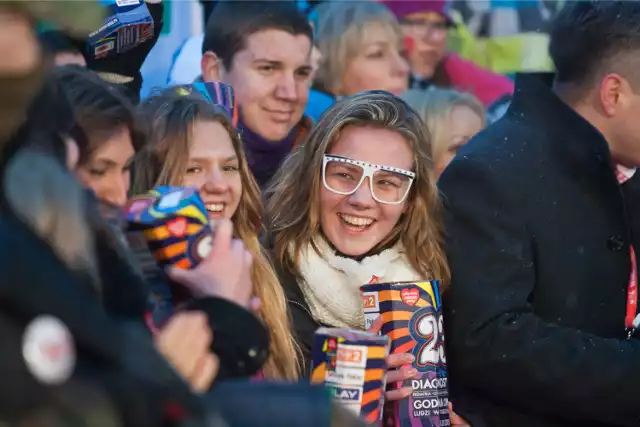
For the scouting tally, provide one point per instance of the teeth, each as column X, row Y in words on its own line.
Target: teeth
column 354, row 220
column 214, row 207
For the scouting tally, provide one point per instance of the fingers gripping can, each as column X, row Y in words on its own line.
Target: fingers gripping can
column 412, row 319
column 352, row 365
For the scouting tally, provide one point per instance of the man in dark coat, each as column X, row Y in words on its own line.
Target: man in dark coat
column 542, row 218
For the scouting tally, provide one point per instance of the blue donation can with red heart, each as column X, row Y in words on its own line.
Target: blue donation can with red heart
column 174, row 223
column 128, row 24
column 412, row 319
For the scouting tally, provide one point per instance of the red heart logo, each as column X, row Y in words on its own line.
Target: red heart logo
column 410, row 296
column 177, row 227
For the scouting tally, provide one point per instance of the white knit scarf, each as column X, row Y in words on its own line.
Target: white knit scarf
column 331, row 284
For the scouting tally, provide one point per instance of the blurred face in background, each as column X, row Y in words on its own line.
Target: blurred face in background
column 213, row 168
column 461, row 125
column 426, row 41
column 271, row 77
column 378, row 64
column 108, row 170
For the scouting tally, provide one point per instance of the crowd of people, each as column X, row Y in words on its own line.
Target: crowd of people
column 332, row 145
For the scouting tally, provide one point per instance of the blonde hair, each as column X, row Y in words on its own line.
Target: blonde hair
column 434, row 108
column 420, row 229
column 341, row 29
column 164, row 162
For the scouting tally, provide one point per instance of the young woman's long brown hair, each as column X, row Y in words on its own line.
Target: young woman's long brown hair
column 164, row 162
column 293, row 211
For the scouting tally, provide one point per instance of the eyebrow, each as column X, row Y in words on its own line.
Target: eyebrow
column 391, row 173
column 268, row 61
column 378, row 43
column 205, row 160
column 280, row 64
column 349, row 167
column 106, row 162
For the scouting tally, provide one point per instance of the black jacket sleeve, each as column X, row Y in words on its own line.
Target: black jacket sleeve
column 496, row 345
column 119, row 358
column 241, row 341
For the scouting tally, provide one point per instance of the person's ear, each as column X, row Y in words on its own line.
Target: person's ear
column 72, row 153
column 211, row 67
column 614, row 93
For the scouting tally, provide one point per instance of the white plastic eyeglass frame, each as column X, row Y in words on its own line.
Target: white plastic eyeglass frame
column 368, row 170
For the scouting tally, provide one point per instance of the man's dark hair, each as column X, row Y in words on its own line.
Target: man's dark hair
column 231, row 22
column 588, row 36
column 207, row 8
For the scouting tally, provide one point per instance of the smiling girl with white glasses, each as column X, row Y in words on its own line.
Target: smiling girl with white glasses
column 358, row 203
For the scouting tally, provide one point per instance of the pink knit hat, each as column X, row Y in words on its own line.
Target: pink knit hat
column 402, row 8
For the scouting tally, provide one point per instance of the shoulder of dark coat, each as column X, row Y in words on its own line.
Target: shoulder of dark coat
column 509, row 145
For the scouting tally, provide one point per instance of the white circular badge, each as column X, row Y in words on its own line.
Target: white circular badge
column 48, row 350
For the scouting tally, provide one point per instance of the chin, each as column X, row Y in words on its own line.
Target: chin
column 275, row 133
column 351, row 249
column 397, row 91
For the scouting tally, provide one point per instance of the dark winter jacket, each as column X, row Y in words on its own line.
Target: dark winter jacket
column 538, row 239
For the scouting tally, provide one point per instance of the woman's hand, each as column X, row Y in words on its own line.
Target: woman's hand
column 396, row 371
column 19, row 46
column 185, row 342
column 224, row 273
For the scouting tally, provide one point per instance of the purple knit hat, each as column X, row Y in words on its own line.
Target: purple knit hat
column 402, row 8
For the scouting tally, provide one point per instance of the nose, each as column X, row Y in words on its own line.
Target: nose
column 362, row 197
column 286, row 88
column 118, row 189
column 400, row 65
column 214, row 182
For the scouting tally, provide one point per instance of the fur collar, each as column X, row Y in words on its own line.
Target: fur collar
column 331, row 284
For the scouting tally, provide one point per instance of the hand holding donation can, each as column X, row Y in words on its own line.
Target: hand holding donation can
column 412, row 317
column 128, row 24
column 176, row 227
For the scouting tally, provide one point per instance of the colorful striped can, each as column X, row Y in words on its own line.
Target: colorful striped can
column 353, row 366
column 412, row 319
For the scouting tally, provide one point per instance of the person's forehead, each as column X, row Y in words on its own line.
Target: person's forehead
column 375, row 145
column 278, row 45
column 429, row 16
column 378, row 32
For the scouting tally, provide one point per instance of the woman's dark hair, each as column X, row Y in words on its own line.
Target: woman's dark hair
column 100, row 109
